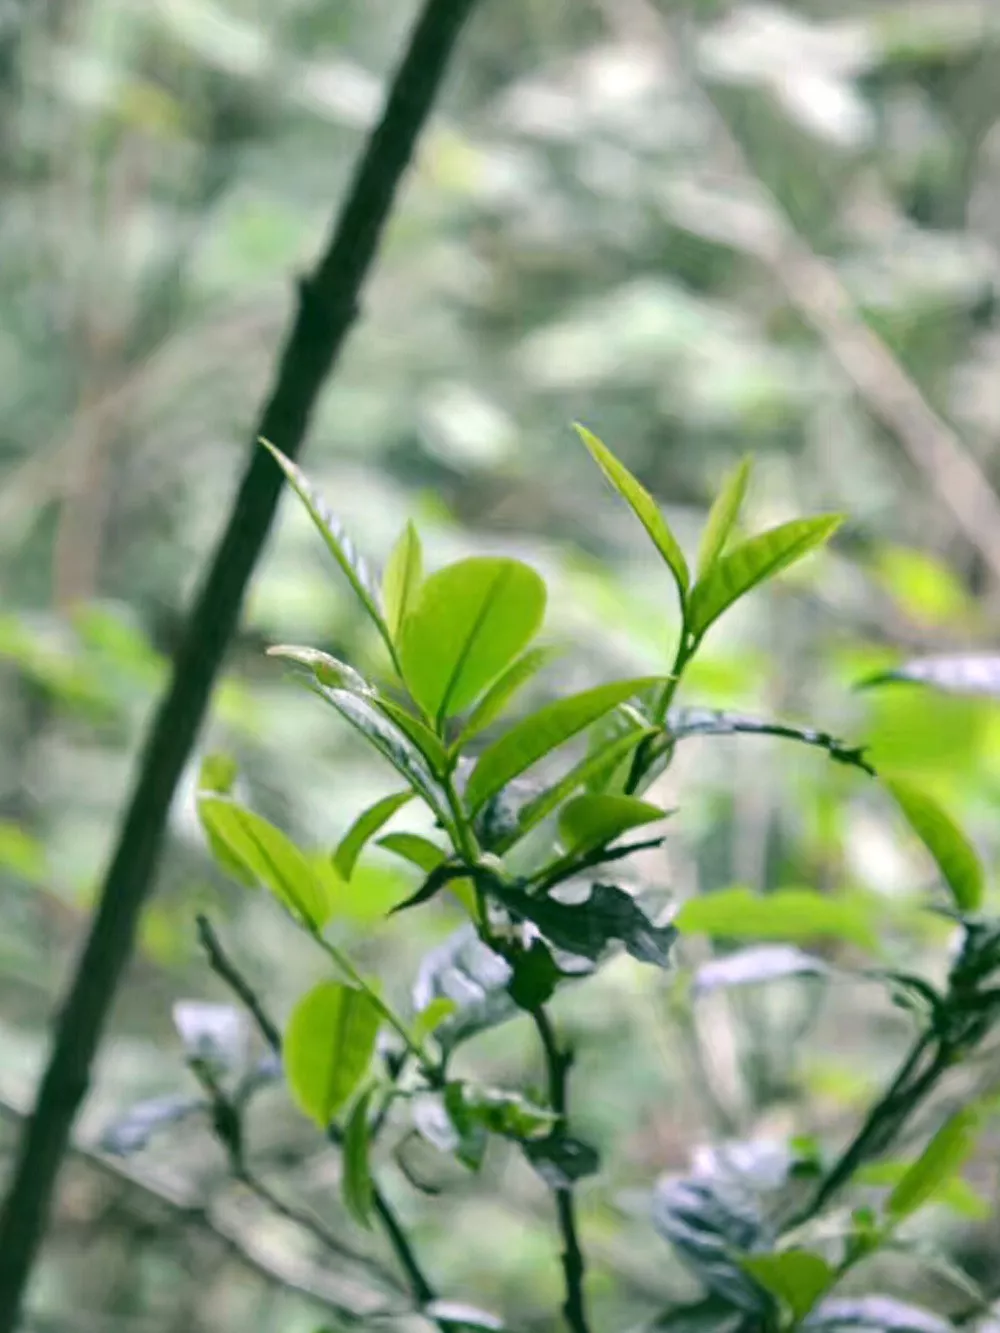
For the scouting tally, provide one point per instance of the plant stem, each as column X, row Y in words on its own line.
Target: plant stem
column 328, row 306
column 558, row 1064
column 645, row 749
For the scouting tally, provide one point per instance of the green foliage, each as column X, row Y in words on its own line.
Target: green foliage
column 357, row 1179
column 947, row 1151
column 786, row 914
column 328, row 1047
column 953, row 853
column 722, row 517
column 364, row 828
column 797, row 1277
column 401, row 580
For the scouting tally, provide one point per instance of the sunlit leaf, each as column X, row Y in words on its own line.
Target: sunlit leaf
column 751, row 967
column 954, row 855
column 953, row 1192
column 365, row 827
column 642, row 505
column 787, row 914
column 797, row 1277
column 751, row 563
column 419, row 851
column 437, row 1012
column 953, row 1143
column 356, row 1180
column 543, row 731
column 338, row 543
column 722, row 516
column 503, row 690
column 591, row 821
column 683, row 722
column 218, row 774
column 326, row 670
column 965, row 673
column 269, row 856
column 328, row 1047
column 468, row 623
column 401, row 579
column 419, row 733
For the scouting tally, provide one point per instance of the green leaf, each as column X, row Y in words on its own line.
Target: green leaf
column 510, row 1115
column 587, row 928
column 751, row 563
column 964, row 673
column 502, row 691
column 269, row 856
column 402, row 579
column 421, row 735
column 787, row 914
column 561, row 1160
column 722, row 516
column 642, row 505
column 328, row 1047
column 356, row 1182
column 953, row 1192
column 797, row 1277
column 218, row 774
column 954, row 855
column 391, row 743
column 469, row 621
column 364, row 827
column 543, row 731
column 421, row 852
column 324, row 669
column 338, row 543
column 948, row 1149
column 428, row 1020
column 590, row 821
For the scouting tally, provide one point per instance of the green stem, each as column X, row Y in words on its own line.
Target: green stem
column 646, row 749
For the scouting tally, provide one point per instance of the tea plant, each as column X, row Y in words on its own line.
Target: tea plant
column 539, row 865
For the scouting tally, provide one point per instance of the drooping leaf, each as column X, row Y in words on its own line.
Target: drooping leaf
column 643, row 505
column 710, row 1221
column 959, row 673
column 561, row 1160
column 390, row 742
column 587, row 928
column 683, row 722
column 271, row 857
column 797, row 1277
column 954, row 855
column 356, row 1181
column 468, row 623
column 364, row 828
column 787, row 914
column 474, row 977
column 750, row 967
column 953, row 1192
column 324, row 669
column 503, row 690
column 419, row 851
column 592, row 821
column 722, row 516
column 419, row 733
column 401, row 579
column 873, row 1314
column 542, row 732
column 328, row 1047
column 753, row 561
column 953, row 1143
column 340, row 546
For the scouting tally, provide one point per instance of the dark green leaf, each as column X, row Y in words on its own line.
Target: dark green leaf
column 401, row 580
column 356, row 1181
column 873, row 1314
column 464, row 970
column 390, row 742
column 682, row 722
column 642, row 505
column 421, row 852
column 955, row 856
column 338, row 543
column 561, row 1160
column 787, row 914
column 271, row 857
column 592, row 821
column 967, row 673
column 722, row 516
column 536, row 975
column 365, row 827
column 751, row 563
column 749, row 967
column 542, row 732
column 328, row 1047
column 324, row 669
column 587, row 928
column 419, row 733
column 711, row 1315
column 503, row 690
column 953, row 1143
column 508, row 1114
column 469, row 621
column 797, row 1277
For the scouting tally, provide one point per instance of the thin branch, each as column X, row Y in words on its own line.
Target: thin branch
column 814, row 288
column 237, row 983
column 558, row 1063
column 328, row 306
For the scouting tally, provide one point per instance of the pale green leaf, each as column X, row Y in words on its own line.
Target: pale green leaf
column 328, row 1047
column 954, row 855
column 948, row 1149
column 502, row 691
column 787, row 914
column 722, row 516
column 953, row 1192
column 797, row 1277
column 438, row 1011
column 595, row 820
column 326, row 670
column 469, row 621
column 750, row 563
column 642, row 505
column 402, row 579
column 421, row 852
column 365, row 827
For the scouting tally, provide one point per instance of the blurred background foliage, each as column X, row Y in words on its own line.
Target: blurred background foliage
column 704, row 231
